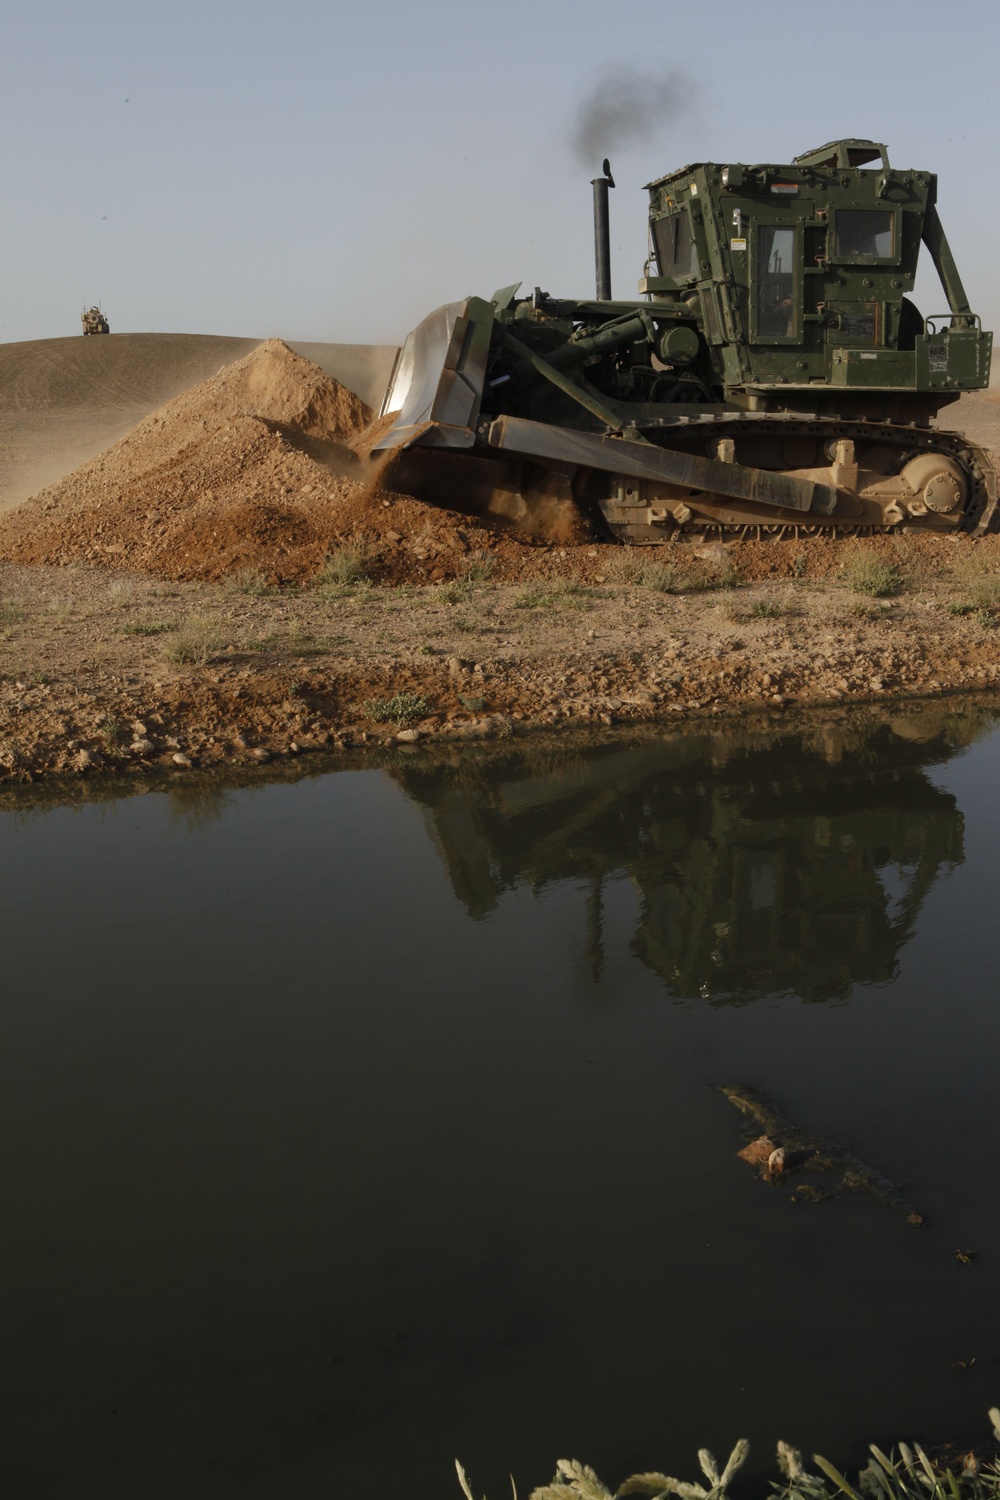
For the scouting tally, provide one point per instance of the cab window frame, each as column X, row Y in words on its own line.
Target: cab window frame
column 682, row 213
column 794, row 335
column 836, row 259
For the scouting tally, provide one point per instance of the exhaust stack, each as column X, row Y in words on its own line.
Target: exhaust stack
column 602, row 232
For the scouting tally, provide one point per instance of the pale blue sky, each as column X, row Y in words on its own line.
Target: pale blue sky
column 335, row 170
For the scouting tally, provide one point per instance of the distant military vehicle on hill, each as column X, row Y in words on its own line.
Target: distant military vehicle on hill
column 94, row 321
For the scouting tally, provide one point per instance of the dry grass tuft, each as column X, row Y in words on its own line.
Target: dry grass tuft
column 192, row 643
column 635, row 568
column 864, row 609
column 121, row 593
column 976, row 576
column 348, row 565
column 648, row 568
column 250, row 581
column 867, row 573
column 907, row 1474
column 479, row 566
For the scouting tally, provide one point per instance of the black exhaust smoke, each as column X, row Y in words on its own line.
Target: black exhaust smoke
column 602, row 232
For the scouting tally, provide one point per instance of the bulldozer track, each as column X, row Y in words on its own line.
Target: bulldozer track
column 977, row 517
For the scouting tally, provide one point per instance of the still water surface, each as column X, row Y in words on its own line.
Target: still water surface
column 352, row 1124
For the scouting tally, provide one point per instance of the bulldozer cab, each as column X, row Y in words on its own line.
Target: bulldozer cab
column 783, row 293
column 802, row 274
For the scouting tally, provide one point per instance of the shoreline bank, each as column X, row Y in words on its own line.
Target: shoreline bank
column 104, row 673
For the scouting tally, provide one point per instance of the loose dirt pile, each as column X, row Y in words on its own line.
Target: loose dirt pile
column 63, row 401
column 238, row 471
column 264, row 466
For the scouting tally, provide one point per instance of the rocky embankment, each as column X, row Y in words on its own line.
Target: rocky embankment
column 105, row 672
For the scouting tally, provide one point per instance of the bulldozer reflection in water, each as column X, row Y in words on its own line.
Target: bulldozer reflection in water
column 760, row 867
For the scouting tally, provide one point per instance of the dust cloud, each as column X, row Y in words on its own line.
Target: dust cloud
column 627, row 105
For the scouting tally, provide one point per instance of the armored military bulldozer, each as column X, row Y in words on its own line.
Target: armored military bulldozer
column 772, row 374
column 94, row 321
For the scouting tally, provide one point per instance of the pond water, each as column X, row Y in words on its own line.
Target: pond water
column 358, row 1122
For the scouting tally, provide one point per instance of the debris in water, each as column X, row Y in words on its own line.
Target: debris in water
column 809, row 1193
column 783, row 1149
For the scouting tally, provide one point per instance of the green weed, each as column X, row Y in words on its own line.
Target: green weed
column 571, row 591
column 762, row 609
column 401, row 708
column 144, row 627
column 530, row 598
column 112, row 732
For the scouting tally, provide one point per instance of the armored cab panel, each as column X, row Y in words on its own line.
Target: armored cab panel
column 803, row 273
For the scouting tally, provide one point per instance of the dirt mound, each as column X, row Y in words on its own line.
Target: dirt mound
column 63, row 401
column 212, row 467
column 253, row 468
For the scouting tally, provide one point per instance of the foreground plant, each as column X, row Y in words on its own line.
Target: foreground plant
column 910, row 1476
column 761, row 609
column 479, row 566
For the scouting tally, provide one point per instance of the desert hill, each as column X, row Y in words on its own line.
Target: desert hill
column 62, row 401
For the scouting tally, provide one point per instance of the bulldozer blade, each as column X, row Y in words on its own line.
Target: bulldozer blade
column 437, row 381
column 641, row 460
